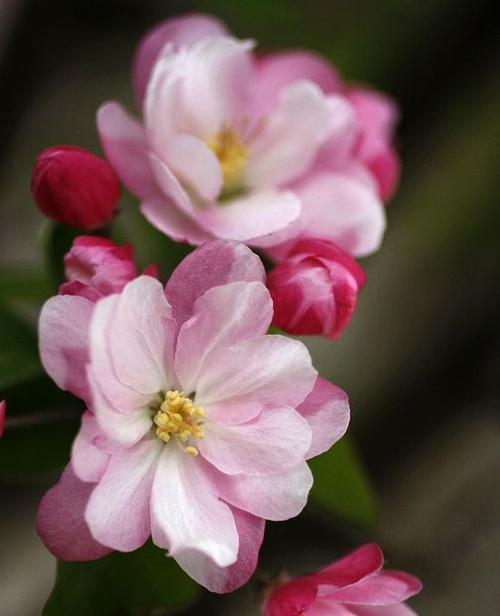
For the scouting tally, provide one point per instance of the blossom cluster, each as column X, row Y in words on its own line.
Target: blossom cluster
column 199, row 422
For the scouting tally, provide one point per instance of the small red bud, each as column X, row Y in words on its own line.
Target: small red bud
column 73, row 186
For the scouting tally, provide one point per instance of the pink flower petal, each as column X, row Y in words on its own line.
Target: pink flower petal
column 195, row 165
column 291, row 136
column 339, row 208
column 294, row 598
column 141, row 337
column 252, row 216
column 364, row 561
column 326, row 410
column 118, row 509
column 186, row 515
column 163, row 214
column 61, row 524
column 267, row 370
column 272, row 497
column 222, row 316
column 383, row 589
column 214, row 71
column 64, row 339
column 122, row 430
column 213, row 264
column 275, row 71
column 88, row 461
column 226, row 579
column 107, row 388
column 124, row 142
column 274, row 442
column 326, row 607
column 180, row 31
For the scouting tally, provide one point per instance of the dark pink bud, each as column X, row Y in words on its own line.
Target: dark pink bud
column 96, row 267
column 315, row 289
column 75, row 187
column 358, row 579
column 3, row 408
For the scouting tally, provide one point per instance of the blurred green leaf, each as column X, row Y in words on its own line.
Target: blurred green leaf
column 341, row 485
column 32, row 450
column 23, row 284
column 56, row 240
column 18, row 350
column 120, row 584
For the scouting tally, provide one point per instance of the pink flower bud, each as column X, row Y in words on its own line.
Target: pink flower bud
column 314, row 289
column 355, row 584
column 74, row 186
column 96, row 267
column 3, row 408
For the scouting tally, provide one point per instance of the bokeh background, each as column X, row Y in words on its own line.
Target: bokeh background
column 420, row 360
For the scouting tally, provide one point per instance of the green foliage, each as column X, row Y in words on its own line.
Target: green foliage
column 341, row 486
column 138, row 583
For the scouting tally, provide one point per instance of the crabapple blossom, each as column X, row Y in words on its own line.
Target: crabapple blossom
column 73, row 186
column 199, row 424
column 315, row 289
column 257, row 149
column 355, row 585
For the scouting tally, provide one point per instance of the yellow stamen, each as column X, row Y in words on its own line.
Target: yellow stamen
column 233, row 155
column 178, row 417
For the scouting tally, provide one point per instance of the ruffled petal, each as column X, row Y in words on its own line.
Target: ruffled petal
column 88, row 461
column 222, row 316
column 163, row 214
column 326, row 410
column 274, row 442
column 272, row 497
column 195, row 165
column 118, row 509
column 252, row 216
column 227, row 579
column 275, row 71
column 385, row 588
column 198, row 89
column 64, row 341
column 61, row 523
column 291, row 137
column 124, row 142
column 180, row 32
column 265, row 370
column 186, row 514
column 360, row 563
column 342, row 209
column 213, row 264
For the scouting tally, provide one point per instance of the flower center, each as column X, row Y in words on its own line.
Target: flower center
column 228, row 146
column 178, row 417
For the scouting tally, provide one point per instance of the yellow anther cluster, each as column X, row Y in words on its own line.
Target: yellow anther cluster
column 178, row 417
column 232, row 155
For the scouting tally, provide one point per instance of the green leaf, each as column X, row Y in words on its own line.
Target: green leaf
column 121, row 584
column 342, row 487
column 18, row 350
column 24, row 284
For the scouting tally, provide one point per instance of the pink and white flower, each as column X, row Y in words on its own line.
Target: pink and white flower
column 259, row 150
column 199, row 424
column 355, row 585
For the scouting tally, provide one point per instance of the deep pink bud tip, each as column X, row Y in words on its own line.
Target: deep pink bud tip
column 73, row 186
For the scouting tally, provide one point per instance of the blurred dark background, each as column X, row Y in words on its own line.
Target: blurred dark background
column 420, row 360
